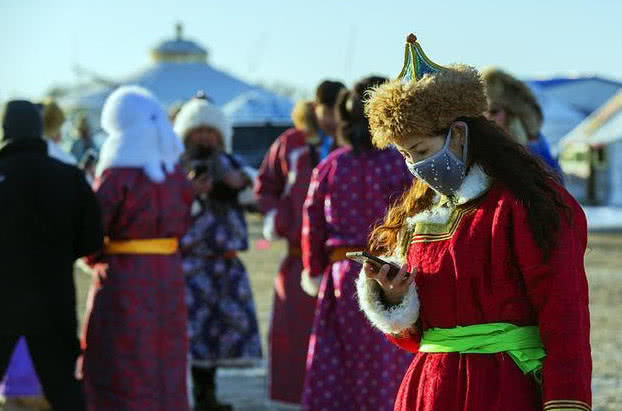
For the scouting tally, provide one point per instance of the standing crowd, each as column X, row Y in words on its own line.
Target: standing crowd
column 442, row 173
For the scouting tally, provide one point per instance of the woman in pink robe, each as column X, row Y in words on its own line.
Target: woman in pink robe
column 350, row 365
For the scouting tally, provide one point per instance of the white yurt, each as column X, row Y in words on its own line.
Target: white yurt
column 179, row 69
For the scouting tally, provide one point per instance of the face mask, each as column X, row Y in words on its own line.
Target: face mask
column 443, row 171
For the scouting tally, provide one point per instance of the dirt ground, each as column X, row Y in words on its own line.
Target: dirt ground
column 246, row 389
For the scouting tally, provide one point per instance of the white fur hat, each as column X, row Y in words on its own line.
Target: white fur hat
column 199, row 112
column 139, row 134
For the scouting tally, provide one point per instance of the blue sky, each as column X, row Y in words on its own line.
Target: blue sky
column 302, row 42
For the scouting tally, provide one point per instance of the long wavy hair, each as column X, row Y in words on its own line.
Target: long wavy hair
column 508, row 163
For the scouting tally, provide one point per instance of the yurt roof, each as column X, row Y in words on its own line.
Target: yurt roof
column 259, row 107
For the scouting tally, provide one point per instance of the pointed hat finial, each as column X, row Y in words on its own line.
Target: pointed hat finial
column 416, row 63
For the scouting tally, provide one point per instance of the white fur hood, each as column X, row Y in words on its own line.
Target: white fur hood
column 139, row 134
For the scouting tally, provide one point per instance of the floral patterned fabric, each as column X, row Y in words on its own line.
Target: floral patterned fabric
column 222, row 321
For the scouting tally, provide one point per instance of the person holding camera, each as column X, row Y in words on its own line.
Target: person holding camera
column 492, row 295
column 222, row 320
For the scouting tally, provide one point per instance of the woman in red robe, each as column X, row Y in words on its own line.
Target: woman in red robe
column 492, row 295
column 135, row 335
column 281, row 188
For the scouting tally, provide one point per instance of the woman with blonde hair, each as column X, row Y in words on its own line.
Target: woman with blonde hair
column 492, row 295
column 53, row 120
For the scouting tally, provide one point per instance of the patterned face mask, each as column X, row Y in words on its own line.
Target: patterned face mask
column 442, row 171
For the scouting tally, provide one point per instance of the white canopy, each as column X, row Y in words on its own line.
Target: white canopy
column 259, row 107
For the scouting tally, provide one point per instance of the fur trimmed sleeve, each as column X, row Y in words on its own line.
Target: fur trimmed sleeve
column 388, row 319
column 269, row 226
column 310, row 285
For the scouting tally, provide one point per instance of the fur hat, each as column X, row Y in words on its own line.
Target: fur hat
column 515, row 96
column 200, row 112
column 424, row 100
column 139, row 134
column 53, row 118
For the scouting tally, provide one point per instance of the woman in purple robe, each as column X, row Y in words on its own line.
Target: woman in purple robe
column 350, row 365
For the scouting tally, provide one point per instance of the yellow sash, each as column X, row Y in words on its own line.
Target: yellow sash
column 163, row 246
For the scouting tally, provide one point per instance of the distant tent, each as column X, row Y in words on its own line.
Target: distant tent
column 258, row 108
column 258, row 118
column 559, row 118
column 566, row 101
column 601, row 132
column 583, row 93
column 604, row 126
column 173, row 82
column 180, row 68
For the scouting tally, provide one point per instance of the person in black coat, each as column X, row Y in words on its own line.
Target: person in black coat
column 49, row 217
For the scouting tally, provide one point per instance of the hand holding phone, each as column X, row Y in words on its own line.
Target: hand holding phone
column 363, row 257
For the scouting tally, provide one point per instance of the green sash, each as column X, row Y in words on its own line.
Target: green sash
column 523, row 344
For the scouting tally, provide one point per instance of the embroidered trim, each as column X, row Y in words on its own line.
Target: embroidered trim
column 568, row 409
column 426, row 233
column 440, row 222
column 566, row 405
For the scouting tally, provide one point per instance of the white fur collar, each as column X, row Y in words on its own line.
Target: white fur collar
column 476, row 183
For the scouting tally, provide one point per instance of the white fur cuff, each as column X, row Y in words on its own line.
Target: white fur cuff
column 389, row 320
column 269, row 227
column 310, row 285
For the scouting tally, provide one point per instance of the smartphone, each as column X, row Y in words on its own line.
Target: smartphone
column 363, row 256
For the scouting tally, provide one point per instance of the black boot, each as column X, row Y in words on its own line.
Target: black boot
column 204, row 390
